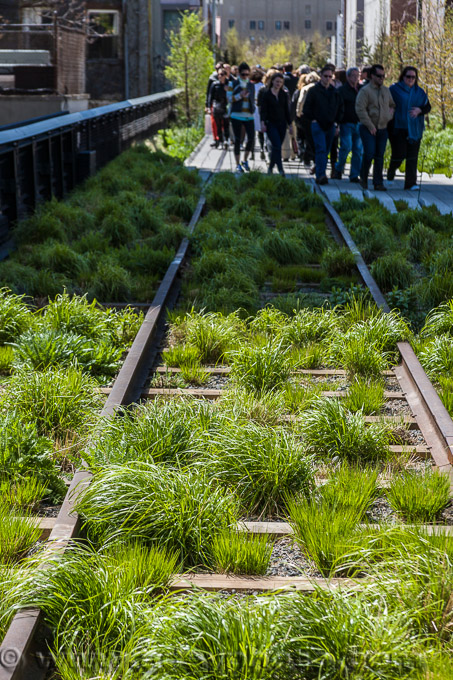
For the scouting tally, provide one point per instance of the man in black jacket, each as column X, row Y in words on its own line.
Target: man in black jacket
column 349, row 128
column 290, row 79
column 323, row 107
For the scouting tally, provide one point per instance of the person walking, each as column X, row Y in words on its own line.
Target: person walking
column 217, row 103
column 323, row 107
column 275, row 119
column 406, row 128
column 290, row 79
column 374, row 107
column 305, row 125
column 212, row 79
column 242, row 116
column 256, row 78
column 349, row 128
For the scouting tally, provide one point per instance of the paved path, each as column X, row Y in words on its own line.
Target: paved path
column 434, row 189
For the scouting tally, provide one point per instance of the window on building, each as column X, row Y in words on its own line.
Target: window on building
column 230, row 23
column 252, row 25
column 261, row 25
column 307, row 23
column 307, row 10
column 286, row 25
column 104, row 28
column 278, row 25
column 329, row 26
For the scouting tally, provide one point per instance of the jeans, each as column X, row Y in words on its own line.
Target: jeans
column 373, row 148
column 276, row 135
column 403, row 149
column 323, row 141
column 350, row 141
column 249, row 126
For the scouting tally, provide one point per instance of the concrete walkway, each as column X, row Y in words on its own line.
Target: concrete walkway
column 434, row 189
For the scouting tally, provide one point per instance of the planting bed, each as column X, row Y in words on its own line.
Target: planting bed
column 269, row 450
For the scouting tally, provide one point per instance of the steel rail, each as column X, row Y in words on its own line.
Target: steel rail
column 19, row 657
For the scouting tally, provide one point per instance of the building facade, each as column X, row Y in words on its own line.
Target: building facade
column 266, row 20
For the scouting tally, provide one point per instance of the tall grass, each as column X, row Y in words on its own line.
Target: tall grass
column 366, row 396
column 419, row 497
column 15, row 316
column 237, row 552
column 17, row 534
column 97, row 598
column 59, row 401
column 210, row 638
column 178, row 511
column 156, row 432
column 329, row 429
column 262, row 465
column 260, row 368
column 351, row 488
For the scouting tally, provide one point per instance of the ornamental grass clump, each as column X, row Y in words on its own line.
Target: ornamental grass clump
column 419, row 497
column 159, row 431
column 22, row 493
column 15, row 316
column 212, row 334
column 392, row 270
column 329, row 429
column 262, row 465
column 25, row 454
column 58, row 401
column 366, row 396
column 41, row 349
column 261, row 368
column 309, row 325
column 98, row 597
column 351, row 488
column 17, row 534
column 360, row 357
column 439, row 321
column 240, row 552
column 208, row 637
column 328, row 535
column 436, row 356
column 341, row 635
column 166, row 508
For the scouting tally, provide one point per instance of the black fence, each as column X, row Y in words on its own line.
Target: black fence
column 47, row 159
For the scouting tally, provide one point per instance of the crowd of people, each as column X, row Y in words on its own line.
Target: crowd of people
column 318, row 116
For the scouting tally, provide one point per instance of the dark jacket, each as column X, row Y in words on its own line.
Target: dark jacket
column 217, row 97
column 349, row 95
column 212, row 79
column 290, row 82
column 324, row 105
column 275, row 110
column 237, row 99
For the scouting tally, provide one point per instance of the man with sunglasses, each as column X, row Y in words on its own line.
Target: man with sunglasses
column 374, row 107
column 243, row 116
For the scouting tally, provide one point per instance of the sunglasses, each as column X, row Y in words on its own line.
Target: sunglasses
column 410, row 77
column 379, row 75
column 244, row 74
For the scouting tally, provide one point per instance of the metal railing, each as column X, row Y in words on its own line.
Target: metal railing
column 48, row 158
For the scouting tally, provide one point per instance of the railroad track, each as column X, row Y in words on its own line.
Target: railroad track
column 423, row 415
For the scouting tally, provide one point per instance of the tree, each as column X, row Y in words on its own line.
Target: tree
column 234, row 49
column 190, row 63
